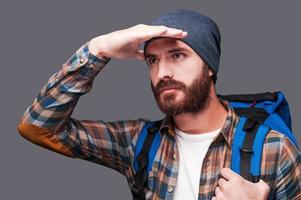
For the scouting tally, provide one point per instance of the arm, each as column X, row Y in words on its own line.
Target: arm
column 288, row 180
column 48, row 123
column 52, row 108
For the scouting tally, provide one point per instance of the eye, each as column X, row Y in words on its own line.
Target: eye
column 178, row 56
column 151, row 60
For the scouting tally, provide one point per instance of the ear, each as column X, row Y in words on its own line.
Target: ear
column 210, row 72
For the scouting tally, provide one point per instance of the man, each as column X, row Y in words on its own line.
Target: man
column 182, row 51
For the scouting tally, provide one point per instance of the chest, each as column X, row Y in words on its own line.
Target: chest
column 163, row 176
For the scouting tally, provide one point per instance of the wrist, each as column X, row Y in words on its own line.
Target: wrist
column 95, row 47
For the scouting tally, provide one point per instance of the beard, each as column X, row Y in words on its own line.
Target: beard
column 196, row 96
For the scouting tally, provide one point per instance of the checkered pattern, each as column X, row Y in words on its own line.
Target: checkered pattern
column 48, row 123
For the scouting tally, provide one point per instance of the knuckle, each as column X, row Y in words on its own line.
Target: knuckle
column 238, row 180
column 217, row 190
column 219, row 182
column 218, row 194
column 140, row 25
column 265, row 187
column 162, row 26
column 227, row 187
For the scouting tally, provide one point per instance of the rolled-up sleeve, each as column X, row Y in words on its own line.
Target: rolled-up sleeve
column 47, row 122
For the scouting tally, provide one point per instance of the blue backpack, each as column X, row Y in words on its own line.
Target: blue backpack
column 259, row 113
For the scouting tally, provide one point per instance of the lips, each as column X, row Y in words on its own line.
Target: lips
column 168, row 88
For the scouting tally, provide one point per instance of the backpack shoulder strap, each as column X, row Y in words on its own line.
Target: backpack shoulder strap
column 249, row 137
column 270, row 108
column 147, row 145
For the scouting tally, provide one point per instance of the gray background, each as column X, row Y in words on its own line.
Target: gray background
column 260, row 52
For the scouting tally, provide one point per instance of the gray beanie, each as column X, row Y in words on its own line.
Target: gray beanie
column 203, row 34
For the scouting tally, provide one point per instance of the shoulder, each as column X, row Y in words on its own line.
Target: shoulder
column 279, row 145
column 277, row 141
column 282, row 158
column 279, row 153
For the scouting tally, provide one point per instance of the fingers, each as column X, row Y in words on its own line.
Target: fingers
column 177, row 33
column 148, row 32
column 233, row 186
column 139, row 55
column 262, row 183
column 222, row 183
column 219, row 195
column 228, row 174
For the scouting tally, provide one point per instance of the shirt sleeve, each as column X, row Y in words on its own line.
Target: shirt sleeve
column 48, row 122
column 288, row 182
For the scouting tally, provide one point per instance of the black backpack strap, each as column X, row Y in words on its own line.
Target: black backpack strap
column 270, row 96
column 142, row 159
column 257, row 114
column 251, row 126
column 255, row 118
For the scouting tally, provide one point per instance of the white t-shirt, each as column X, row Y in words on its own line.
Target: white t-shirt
column 192, row 150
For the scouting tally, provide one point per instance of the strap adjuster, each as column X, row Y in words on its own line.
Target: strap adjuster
column 246, row 150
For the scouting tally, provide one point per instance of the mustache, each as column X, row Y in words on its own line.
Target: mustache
column 168, row 84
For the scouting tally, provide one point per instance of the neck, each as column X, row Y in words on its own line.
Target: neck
column 210, row 119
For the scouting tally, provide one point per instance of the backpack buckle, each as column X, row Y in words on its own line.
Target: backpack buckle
column 246, row 150
column 138, row 192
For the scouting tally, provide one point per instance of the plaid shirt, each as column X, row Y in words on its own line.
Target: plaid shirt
column 48, row 123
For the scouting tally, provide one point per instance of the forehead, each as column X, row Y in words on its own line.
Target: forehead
column 161, row 45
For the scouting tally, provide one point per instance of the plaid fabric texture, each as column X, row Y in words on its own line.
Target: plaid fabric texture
column 48, row 123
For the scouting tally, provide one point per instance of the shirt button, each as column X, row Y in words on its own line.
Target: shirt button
column 148, row 195
column 174, row 155
column 81, row 60
column 169, row 189
column 207, row 163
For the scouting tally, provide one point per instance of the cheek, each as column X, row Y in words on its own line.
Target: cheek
column 192, row 70
column 186, row 76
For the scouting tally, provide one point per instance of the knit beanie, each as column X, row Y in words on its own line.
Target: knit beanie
column 203, row 34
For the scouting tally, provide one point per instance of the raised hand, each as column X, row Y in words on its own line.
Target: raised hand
column 125, row 43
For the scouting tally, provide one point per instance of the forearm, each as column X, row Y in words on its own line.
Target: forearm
column 57, row 99
column 48, row 123
column 51, row 110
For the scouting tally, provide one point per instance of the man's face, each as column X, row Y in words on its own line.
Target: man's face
column 180, row 79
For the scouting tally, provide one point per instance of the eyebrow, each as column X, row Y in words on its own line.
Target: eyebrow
column 177, row 49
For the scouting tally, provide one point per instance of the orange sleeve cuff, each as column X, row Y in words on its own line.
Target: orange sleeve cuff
column 42, row 137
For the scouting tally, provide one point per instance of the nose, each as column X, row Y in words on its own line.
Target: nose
column 164, row 70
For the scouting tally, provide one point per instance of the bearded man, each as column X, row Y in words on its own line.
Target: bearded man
column 182, row 51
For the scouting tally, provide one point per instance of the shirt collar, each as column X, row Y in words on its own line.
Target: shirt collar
column 167, row 125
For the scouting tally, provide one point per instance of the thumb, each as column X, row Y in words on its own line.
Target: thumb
column 263, row 185
column 139, row 55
